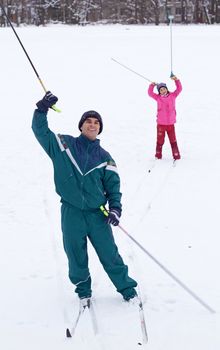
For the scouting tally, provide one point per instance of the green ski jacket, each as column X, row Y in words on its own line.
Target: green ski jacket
column 85, row 175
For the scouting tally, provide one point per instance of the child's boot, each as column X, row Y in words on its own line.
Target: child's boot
column 158, row 154
column 175, row 151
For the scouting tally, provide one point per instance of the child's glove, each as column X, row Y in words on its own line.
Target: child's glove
column 47, row 102
column 113, row 217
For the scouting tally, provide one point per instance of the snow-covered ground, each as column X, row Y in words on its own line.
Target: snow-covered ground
column 173, row 212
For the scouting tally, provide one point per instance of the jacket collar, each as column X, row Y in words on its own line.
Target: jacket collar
column 86, row 142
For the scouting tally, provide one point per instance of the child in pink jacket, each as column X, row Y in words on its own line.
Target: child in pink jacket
column 166, row 115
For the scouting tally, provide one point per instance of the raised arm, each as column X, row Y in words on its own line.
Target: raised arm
column 43, row 134
column 151, row 92
column 178, row 85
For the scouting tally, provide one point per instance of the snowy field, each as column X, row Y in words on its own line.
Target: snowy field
column 172, row 211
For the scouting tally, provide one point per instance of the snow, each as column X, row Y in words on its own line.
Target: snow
column 172, row 211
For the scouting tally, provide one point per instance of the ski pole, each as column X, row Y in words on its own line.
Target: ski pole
column 131, row 70
column 171, row 46
column 177, row 280
column 28, row 57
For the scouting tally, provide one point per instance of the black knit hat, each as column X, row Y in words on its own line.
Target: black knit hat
column 91, row 114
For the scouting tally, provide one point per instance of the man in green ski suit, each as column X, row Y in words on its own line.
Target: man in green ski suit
column 85, row 178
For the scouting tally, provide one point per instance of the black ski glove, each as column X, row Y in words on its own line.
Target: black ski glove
column 47, row 102
column 113, row 217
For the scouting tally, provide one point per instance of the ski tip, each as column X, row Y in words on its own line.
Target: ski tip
column 68, row 334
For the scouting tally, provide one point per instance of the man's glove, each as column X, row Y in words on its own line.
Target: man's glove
column 47, row 102
column 113, row 217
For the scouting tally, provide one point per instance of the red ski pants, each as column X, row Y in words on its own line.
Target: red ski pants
column 162, row 130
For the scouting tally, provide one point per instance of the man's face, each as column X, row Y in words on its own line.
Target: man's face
column 90, row 128
column 163, row 91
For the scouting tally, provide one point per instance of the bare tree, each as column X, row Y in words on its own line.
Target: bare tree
column 82, row 12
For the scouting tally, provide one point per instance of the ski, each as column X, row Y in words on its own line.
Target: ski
column 156, row 160
column 93, row 318
column 84, row 305
column 175, row 162
column 142, row 321
column 70, row 332
column 87, row 306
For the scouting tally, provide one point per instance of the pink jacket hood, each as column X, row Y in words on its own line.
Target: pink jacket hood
column 166, row 106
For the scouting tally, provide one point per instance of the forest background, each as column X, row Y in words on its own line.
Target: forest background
column 82, row 12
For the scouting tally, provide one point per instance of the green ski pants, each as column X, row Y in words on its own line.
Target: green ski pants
column 77, row 225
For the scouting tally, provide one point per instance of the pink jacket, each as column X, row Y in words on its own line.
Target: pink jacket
column 166, row 109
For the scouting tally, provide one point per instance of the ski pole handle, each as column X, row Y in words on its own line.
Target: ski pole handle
column 56, row 109
column 45, row 90
column 104, row 210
